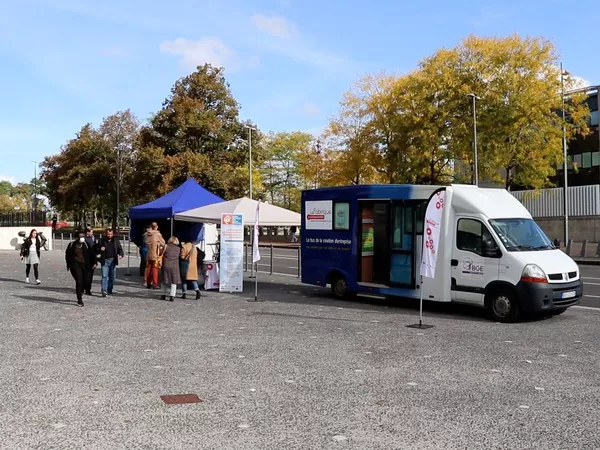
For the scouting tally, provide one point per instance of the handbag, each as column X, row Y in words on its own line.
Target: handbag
column 159, row 259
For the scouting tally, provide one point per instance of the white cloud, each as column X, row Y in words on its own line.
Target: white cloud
column 12, row 180
column 275, row 25
column 205, row 50
column 310, row 109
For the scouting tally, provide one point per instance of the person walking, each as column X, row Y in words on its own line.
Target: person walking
column 155, row 244
column 170, row 269
column 30, row 255
column 92, row 243
column 188, row 268
column 110, row 254
column 80, row 259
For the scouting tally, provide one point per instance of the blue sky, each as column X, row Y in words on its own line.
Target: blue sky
column 68, row 62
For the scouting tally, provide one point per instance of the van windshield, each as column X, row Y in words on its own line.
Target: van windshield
column 521, row 235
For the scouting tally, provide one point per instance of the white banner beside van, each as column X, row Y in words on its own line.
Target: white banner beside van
column 431, row 234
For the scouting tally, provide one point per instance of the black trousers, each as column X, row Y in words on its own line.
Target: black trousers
column 89, row 281
column 142, row 266
column 35, row 271
column 80, row 275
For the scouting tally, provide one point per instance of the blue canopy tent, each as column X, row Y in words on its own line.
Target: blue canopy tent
column 188, row 196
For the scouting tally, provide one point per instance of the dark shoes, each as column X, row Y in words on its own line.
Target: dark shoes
column 171, row 299
column 183, row 296
column 80, row 303
column 88, row 292
column 103, row 294
column 197, row 295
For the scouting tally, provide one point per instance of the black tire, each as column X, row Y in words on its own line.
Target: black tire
column 503, row 306
column 558, row 312
column 339, row 287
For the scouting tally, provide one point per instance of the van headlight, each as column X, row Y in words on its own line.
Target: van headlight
column 532, row 273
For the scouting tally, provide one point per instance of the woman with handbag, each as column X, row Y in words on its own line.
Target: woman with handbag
column 170, row 268
column 30, row 255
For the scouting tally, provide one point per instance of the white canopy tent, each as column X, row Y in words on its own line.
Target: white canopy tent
column 270, row 215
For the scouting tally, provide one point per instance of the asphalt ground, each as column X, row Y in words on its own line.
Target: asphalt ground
column 296, row 371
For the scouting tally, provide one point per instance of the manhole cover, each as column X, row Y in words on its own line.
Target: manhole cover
column 180, row 399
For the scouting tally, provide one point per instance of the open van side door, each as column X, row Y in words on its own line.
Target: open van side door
column 475, row 260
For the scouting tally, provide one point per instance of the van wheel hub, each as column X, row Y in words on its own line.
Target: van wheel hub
column 340, row 287
column 502, row 306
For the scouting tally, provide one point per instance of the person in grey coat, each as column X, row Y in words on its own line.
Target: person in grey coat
column 171, row 276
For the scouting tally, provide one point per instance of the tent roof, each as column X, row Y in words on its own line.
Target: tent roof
column 270, row 215
column 187, row 196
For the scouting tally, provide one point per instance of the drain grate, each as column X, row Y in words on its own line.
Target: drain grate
column 180, row 399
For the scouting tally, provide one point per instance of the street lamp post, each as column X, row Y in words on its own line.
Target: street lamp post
column 249, row 128
column 34, row 199
column 565, row 164
column 475, row 162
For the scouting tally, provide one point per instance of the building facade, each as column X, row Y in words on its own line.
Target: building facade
column 584, row 152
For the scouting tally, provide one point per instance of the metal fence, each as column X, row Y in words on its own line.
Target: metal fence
column 582, row 201
column 270, row 262
column 23, row 219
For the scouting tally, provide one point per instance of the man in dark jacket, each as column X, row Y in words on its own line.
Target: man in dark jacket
column 110, row 252
column 80, row 259
column 90, row 240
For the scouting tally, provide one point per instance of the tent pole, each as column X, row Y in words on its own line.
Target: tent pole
column 128, row 274
column 172, row 220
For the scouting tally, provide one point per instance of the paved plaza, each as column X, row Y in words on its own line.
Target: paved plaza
column 297, row 371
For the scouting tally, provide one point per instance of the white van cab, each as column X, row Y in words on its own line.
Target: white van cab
column 493, row 254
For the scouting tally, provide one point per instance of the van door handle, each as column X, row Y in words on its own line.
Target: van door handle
column 454, row 262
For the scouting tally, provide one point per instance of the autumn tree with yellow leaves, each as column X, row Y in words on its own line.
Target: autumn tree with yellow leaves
column 417, row 128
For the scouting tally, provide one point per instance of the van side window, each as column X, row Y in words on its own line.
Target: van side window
column 341, row 216
column 471, row 235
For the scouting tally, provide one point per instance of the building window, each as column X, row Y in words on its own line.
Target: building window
column 577, row 161
column 341, row 216
column 595, row 159
column 594, row 119
column 586, row 162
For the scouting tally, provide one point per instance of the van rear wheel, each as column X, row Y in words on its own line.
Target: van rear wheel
column 503, row 306
column 339, row 287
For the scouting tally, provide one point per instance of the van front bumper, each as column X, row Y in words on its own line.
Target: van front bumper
column 536, row 297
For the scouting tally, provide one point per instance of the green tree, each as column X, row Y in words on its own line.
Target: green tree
column 198, row 133
column 289, row 162
column 5, row 187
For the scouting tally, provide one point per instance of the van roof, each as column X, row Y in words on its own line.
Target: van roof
column 491, row 202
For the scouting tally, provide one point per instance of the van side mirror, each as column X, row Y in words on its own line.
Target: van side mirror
column 490, row 250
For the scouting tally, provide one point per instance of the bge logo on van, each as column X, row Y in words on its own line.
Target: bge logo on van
column 472, row 268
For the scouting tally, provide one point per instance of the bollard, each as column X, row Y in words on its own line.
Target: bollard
column 584, row 248
column 61, row 240
column 569, row 244
column 245, row 257
column 298, row 262
column 271, row 258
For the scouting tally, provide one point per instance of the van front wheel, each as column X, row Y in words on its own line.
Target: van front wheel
column 503, row 306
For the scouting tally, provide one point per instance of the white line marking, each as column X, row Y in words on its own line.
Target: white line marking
column 591, row 296
column 587, row 308
column 592, row 284
column 590, row 278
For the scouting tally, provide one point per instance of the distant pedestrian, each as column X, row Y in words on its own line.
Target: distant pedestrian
column 80, row 259
column 54, row 221
column 110, row 253
column 92, row 243
column 171, row 277
column 30, row 255
column 293, row 231
column 188, row 268
column 155, row 244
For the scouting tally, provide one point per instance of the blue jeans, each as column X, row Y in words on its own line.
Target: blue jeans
column 109, row 273
column 184, row 285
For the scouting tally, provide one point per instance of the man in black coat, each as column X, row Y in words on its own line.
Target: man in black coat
column 80, row 260
column 110, row 251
